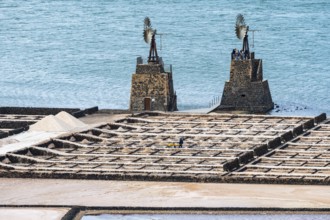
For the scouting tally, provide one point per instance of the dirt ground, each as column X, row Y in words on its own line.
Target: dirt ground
column 160, row 194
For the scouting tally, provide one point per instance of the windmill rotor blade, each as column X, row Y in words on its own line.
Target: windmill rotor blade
column 240, row 28
column 147, row 35
column 238, row 31
column 147, row 22
column 240, row 20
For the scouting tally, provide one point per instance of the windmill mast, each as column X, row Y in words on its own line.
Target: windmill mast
column 153, row 55
column 246, row 42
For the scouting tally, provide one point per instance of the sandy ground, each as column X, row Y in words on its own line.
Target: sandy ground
column 32, row 213
column 160, row 194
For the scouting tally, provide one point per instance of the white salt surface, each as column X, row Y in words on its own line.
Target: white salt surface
column 25, row 139
column 49, row 127
column 69, row 119
column 50, row 123
column 63, row 121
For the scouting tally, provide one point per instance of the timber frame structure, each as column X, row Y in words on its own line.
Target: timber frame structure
column 217, row 148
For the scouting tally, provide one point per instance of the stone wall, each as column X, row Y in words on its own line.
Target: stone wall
column 46, row 111
column 240, row 72
column 253, row 97
column 246, row 90
column 147, row 68
column 35, row 111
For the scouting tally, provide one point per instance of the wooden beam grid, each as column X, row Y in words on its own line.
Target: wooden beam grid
column 306, row 147
column 285, row 162
column 223, row 125
column 300, row 155
column 114, row 166
column 258, row 170
column 165, row 140
column 219, row 148
column 101, row 158
column 143, row 146
column 275, row 177
column 222, row 118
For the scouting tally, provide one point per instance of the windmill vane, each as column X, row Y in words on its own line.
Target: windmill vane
column 241, row 30
column 161, row 40
column 252, row 45
column 149, row 37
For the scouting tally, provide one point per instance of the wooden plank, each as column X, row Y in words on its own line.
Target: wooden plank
column 207, row 122
column 146, row 127
column 279, row 174
column 135, row 156
column 308, row 144
column 287, row 167
column 74, row 144
column 303, row 151
column 104, row 170
column 181, row 134
column 294, row 159
column 43, row 161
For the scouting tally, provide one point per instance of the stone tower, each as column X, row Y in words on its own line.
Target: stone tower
column 246, row 90
column 152, row 88
column 152, row 84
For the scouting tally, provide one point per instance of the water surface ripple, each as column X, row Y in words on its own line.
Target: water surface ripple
column 82, row 53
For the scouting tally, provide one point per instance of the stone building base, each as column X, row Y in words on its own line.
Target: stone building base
column 246, row 90
column 152, row 89
column 254, row 97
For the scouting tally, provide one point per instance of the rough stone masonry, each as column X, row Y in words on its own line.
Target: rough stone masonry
column 152, row 88
column 246, row 90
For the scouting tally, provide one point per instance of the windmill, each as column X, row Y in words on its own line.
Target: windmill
column 242, row 30
column 149, row 37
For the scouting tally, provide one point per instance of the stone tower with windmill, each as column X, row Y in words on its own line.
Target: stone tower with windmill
column 246, row 89
column 152, row 83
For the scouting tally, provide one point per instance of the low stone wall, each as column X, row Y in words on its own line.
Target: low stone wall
column 35, row 111
column 46, row 111
column 149, row 69
column 114, row 111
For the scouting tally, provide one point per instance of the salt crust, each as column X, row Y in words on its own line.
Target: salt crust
column 63, row 121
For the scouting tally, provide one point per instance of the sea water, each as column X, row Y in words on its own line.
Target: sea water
column 82, row 53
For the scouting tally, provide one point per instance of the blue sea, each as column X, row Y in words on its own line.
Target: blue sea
column 82, row 53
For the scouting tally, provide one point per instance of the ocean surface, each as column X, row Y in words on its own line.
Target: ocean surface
column 82, row 53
